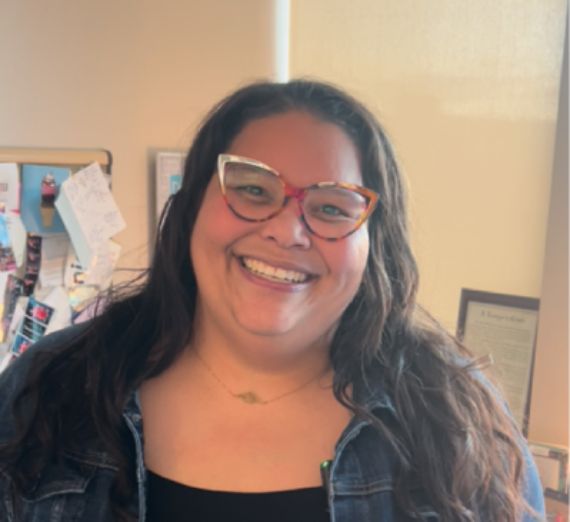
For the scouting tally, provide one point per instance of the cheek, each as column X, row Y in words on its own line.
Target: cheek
column 215, row 225
column 347, row 258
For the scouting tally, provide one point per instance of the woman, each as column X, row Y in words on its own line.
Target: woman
column 275, row 343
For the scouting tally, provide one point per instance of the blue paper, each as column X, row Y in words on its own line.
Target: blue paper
column 38, row 213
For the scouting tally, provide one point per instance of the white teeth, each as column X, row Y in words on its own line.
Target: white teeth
column 272, row 273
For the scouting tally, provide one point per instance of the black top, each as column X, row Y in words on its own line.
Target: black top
column 174, row 502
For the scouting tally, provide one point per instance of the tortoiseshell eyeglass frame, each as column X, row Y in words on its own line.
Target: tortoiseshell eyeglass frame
column 289, row 191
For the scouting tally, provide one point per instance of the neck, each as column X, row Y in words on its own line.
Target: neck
column 266, row 365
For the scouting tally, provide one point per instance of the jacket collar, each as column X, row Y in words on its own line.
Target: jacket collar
column 372, row 394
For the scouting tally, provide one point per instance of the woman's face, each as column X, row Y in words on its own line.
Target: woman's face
column 232, row 257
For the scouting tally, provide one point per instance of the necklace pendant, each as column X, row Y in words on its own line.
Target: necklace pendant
column 249, row 398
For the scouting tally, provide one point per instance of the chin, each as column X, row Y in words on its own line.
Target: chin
column 266, row 328
column 293, row 331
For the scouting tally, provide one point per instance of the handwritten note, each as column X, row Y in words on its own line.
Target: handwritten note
column 89, row 212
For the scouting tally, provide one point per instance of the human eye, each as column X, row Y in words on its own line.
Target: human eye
column 251, row 186
column 332, row 205
column 329, row 211
column 254, row 193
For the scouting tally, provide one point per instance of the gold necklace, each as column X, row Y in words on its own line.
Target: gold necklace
column 250, row 397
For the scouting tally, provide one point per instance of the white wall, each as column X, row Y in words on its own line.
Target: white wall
column 128, row 76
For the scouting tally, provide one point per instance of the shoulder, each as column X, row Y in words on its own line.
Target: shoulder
column 532, row 490
column 465, row 377
column 17, row 374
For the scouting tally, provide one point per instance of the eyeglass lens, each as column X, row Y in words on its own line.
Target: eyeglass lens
column 257, row 194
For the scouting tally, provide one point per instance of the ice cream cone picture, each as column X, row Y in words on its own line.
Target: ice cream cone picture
column 48, row 193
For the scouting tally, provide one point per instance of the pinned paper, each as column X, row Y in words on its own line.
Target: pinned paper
column 5, row 361
column 33, row 263
column 59, row 301
column 10, row 186
column 54, row 256
column 99, row 273
column 17, row 233
column 17, row 316
column 3, row 285
column 7, row 260
column 33, row 326
column 89, row 212
column 101, row 270
column 74, row 274
column 40, row 185
column 14, row 289
column 81, row 297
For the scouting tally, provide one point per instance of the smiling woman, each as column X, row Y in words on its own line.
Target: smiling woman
column 274, row 361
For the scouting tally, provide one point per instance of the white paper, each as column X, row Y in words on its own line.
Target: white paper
column 82, row 296
column 74, row 273
column 99, row 273
column 5, row 360
column 89, row 212
column 17, row 234
column 55, row 250
column 59, row 301
column 17, row 317
column 10, row 186
column 101, row 270
column 3, row 281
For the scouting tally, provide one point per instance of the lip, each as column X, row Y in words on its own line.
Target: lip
column 275, row 285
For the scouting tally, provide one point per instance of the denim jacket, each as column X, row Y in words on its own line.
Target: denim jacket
column 361, row 486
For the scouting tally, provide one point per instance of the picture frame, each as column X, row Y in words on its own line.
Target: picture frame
column 503, row 327
column 169, row 166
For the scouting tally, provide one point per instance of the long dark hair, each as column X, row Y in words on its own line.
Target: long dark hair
column 449, row 432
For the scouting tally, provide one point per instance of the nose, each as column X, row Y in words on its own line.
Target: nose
column 287, row 228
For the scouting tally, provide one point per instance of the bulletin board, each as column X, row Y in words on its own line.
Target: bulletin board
column 72, row 158
column 44, row 282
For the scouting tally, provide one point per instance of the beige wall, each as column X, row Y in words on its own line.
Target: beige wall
column 127, row 75
column 468, row 92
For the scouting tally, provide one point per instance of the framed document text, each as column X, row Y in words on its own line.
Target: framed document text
column 503, row 327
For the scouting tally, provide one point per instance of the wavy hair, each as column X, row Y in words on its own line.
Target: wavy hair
column 450, row 432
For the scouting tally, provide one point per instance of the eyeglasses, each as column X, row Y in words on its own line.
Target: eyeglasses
column 255, row 192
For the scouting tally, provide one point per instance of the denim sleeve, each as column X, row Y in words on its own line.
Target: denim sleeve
column 533, row 491
column 532, row 488
column 13, row 378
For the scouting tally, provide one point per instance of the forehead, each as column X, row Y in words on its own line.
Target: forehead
column 302, row 148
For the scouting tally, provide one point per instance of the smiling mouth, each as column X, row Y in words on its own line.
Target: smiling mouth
column 272, row 273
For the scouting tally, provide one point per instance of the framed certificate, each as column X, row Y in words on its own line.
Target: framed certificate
column 503, row 327
column 169, row 166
